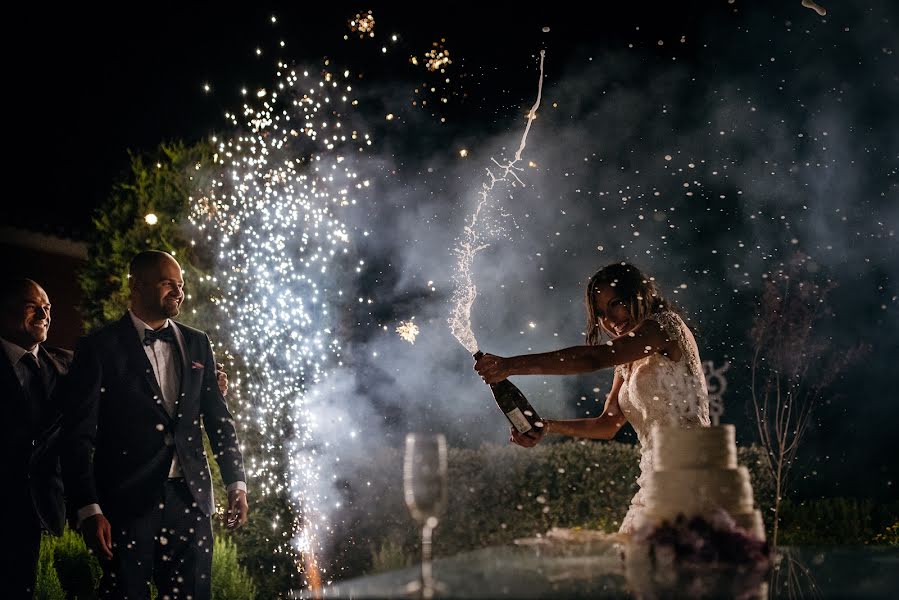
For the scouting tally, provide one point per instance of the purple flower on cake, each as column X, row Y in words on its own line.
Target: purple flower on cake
column 715, row 540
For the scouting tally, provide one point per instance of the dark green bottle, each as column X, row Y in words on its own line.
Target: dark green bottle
column 513, row 404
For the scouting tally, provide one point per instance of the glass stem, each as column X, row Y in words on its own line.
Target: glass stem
column 427, row 577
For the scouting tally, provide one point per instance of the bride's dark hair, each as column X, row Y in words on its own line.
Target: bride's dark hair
column 639, row 292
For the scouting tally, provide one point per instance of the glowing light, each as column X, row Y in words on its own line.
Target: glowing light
column 271, row 210
column 478, row 229
column 151, row 219
column 363, row 24
column 463, row 152
column 408, row 331
column 437, row 58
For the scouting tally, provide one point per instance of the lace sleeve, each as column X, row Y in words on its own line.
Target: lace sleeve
column 675, row 329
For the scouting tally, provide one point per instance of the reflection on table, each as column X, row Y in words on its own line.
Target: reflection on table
column 597, row 569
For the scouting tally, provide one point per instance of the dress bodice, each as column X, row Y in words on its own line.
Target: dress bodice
column 659, row 391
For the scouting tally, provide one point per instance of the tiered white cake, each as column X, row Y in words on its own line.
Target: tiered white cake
column 696, row 474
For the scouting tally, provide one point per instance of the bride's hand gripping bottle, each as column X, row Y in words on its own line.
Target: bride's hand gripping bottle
column 514, row 405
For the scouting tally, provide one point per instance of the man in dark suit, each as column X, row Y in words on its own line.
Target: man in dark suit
column 133, row 460
column 29, row 372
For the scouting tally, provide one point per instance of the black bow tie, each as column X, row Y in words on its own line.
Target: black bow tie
column 166, row 334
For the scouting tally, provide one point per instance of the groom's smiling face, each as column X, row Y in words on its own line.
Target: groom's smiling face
column 160, row 291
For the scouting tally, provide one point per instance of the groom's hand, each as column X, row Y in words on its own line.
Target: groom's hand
column 221, row 377
column 237, row 509
column 97, row 534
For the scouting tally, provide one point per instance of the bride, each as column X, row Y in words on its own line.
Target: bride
column 658, row 375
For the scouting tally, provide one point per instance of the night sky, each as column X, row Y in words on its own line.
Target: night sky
column 706, row 142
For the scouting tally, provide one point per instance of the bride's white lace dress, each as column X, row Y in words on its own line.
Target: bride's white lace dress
column 659, row 391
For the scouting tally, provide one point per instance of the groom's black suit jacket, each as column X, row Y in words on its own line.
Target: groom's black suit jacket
column 29, row 447
column 118, row 437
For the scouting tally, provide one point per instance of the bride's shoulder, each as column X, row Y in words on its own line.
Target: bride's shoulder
column 652, row 332
column 659, row 320
column 671, row 328
column 668, row 319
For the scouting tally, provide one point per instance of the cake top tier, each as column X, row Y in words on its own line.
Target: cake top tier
column 694, row 447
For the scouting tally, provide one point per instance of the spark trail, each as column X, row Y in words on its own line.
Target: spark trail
column 477, row 231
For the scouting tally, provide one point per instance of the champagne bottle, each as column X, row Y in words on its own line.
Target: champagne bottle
column 513, row 404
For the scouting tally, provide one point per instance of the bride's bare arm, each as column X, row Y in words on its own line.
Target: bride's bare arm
column 646, row 338
column 603, row 427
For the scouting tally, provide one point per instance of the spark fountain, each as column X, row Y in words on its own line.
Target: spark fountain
column 272, row 214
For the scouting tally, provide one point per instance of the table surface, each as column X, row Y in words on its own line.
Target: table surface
column 597, row 569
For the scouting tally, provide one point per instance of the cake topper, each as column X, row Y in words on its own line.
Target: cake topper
column 716, row 384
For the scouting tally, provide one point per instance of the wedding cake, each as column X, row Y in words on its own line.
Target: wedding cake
column 696, row 475
column 700, row 535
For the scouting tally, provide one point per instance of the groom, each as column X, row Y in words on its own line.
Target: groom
column 133, row 460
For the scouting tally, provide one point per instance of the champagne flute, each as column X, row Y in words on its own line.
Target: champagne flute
column 424, row 485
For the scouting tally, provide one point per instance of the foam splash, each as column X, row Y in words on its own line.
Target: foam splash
column 477, row 231
column 815, row 7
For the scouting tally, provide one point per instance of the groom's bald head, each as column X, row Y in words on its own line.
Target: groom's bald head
column 156, row 284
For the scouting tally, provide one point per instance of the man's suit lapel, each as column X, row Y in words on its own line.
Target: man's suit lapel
column 187, row 376
column 14, row 395
column 49, row 371
column 139, row 362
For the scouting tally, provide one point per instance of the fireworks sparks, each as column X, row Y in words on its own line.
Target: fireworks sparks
column 477, row 231
column 437, row 58
column 363, row 24
column 438, row 88
column 408, row 331
column 272, row 213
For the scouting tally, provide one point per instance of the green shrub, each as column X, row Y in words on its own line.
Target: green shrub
column 390, row 555
column 47, row 586
column 837, row 521
column 496, row 494
column 888, row 537
column 264, row 542
column 230, row 581
column 66, row 564
column 67, row 570
column 79, row 571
